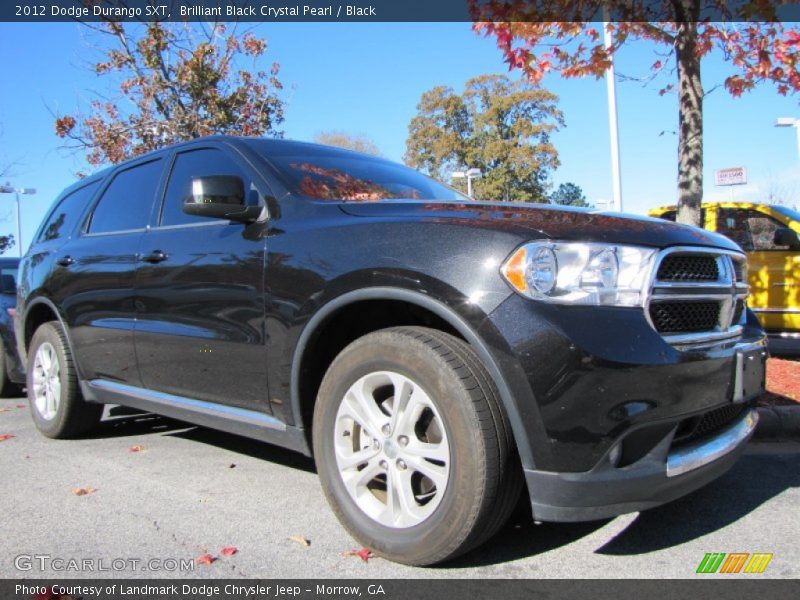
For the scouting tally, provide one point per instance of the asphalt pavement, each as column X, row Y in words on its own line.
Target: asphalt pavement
column 162, row 493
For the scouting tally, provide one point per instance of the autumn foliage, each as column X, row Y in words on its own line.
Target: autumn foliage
column 174, row 82
column 565, row 37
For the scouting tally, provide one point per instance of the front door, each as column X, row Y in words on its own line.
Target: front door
column 200, row 297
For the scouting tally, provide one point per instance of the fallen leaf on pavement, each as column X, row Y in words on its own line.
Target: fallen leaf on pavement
column 83, row 491
column 303, row 541
column 6, row 436
column 232, row 466
column 4, row 409
column 135, row 448
column 364, row 554
column 22, row 406
column 206, row 559
column 229, row 551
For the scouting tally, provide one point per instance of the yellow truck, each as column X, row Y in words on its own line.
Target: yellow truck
column 770, row 235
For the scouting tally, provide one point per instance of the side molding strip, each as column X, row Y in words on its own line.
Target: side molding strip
column 240, row 421
column 233, row 413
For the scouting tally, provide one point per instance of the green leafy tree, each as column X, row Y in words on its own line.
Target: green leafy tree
column 563, row 36
column 569, row 194
column 175, row 82
column 358, row 143
column 499, row 126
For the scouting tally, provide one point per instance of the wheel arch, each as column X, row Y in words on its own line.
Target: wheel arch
column 447, row 315
column 40, row 311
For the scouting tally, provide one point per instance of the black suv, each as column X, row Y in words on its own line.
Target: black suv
column 434, row 354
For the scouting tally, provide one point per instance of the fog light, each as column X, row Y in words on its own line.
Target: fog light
column 615, row 455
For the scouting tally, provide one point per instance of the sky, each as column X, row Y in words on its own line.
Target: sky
column 367, row 78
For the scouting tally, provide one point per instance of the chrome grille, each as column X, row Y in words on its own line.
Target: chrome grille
column 697, row 295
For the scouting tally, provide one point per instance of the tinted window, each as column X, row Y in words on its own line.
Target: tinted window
column 751, row 229
column 330, row 174
column 197, row 163
column 127, row 201
column 8, row 276
column 64, row 218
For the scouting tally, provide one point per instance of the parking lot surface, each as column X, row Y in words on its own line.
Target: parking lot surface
column 161, row 492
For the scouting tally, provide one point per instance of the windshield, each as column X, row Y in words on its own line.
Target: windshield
column 787, row 212
column 323, row 173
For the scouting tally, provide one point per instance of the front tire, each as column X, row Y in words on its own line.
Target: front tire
column 57, row 406
column 411, row 445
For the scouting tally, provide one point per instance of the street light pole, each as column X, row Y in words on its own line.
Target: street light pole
column 7, row 189
column 611, row 88
column 469, row 175
column 790, row 122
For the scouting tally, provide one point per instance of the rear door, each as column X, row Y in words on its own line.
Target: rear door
column 94, row 274
column 770, row 266
column 200, row 330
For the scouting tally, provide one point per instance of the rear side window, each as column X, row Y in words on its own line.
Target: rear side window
column 128, row 200
column 196, row 163
column 64, row 218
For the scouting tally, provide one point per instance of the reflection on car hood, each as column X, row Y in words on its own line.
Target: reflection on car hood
column 546, row 220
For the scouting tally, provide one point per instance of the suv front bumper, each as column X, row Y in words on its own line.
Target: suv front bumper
column 664, row 474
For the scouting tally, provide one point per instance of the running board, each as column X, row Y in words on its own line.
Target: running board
column 241, row 421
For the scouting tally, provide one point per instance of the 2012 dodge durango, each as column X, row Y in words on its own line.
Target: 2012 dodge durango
column 435, row 355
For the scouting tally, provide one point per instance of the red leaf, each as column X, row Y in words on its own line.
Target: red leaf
column 6, row 436
column 364, row 554
column 22, row 406
column 206, row 559
column 135, row 448
column 229, row 551
column 83, row 491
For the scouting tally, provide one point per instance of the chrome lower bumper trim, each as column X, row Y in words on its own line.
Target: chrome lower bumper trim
column 695, row 456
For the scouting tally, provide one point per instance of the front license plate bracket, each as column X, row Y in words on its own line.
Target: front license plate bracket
column 750, row 375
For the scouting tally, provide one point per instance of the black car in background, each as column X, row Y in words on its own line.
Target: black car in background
column 12, row 372
column 435, row 355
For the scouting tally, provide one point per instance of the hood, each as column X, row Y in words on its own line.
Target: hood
column 546, row 221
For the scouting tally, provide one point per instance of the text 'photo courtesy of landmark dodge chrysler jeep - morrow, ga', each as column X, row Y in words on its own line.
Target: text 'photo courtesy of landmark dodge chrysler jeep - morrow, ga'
column 435, row 355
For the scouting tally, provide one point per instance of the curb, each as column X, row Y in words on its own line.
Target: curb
column 778, row 422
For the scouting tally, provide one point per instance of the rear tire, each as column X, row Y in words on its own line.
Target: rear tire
column 413, row 510
column 57, row 406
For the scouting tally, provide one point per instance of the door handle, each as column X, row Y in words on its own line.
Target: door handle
column 156, row 256
column 65, row 261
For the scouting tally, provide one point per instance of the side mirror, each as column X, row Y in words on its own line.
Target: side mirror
column 786, row 237
column 220, row 197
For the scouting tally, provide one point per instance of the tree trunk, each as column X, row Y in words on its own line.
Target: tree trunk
column 690, row 122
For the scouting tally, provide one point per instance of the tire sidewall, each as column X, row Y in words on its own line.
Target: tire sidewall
column 52, row 427
column 456, row 510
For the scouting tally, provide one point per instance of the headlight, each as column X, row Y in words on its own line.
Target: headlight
column 575, row 273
